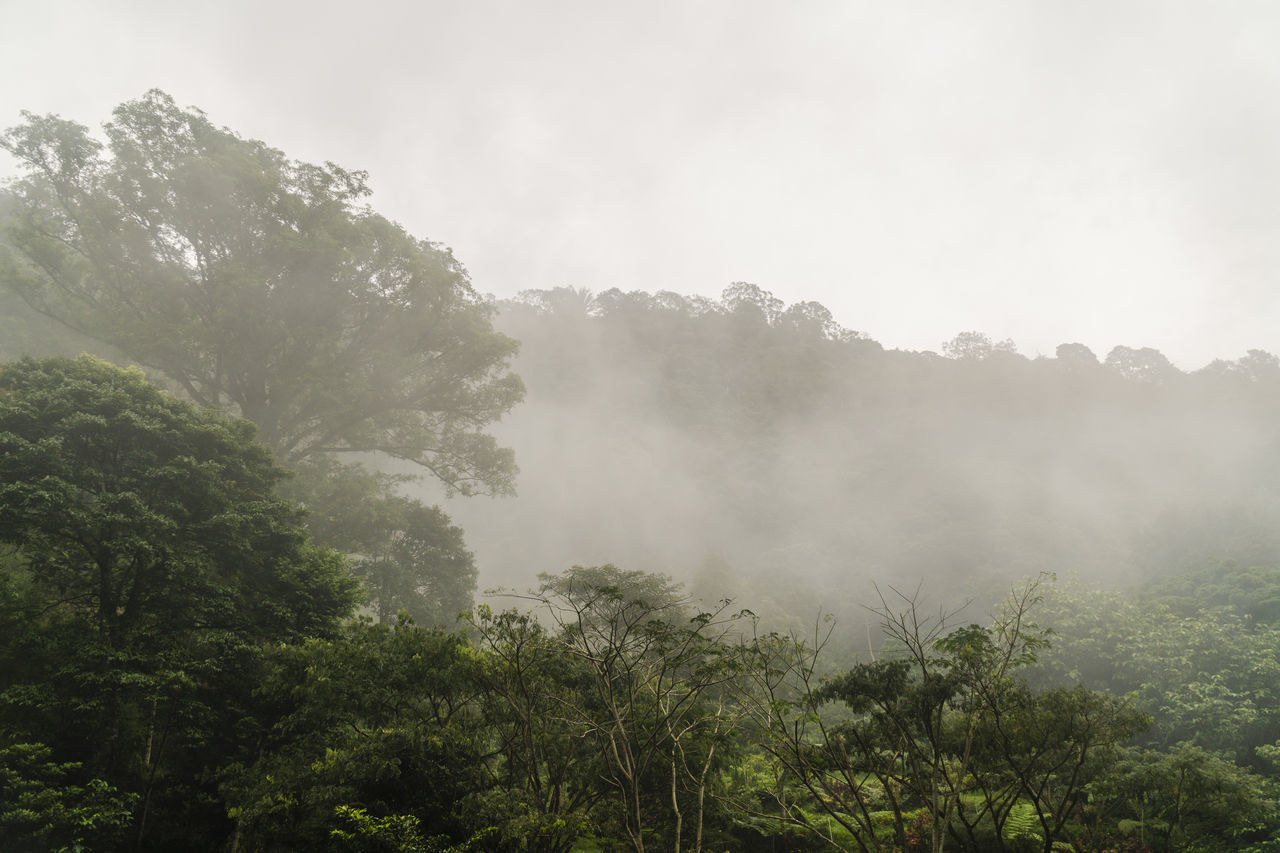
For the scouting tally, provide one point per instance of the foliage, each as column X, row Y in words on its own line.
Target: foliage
column 214, row 693
column 544, row 790
column 793, row 452
column 1037, row 753
column 41, row 813
column 1251, row 592
column 260, row 284
column 264, row 287
column 976, row 346
column 1188, row 799
column 384, row 718
column 655, row 705
column 1204, row 775
column 173, row 672
column 150, row 517
column 1210, row 679
column 408, row 555
column 937, row 741
column 150, row 558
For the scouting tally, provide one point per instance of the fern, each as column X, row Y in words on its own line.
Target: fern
column 1023, row 821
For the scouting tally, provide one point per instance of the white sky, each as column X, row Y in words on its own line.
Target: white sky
column 1046, row 170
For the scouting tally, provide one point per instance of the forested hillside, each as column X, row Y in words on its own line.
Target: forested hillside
column 233, row 618
column 747, row 441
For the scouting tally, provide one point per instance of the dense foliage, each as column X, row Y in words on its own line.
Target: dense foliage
column 148, row 562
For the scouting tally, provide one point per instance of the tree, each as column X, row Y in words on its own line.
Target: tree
column 260, row 285
column 1259, row 365
column 546, row 787
column 817, row 784
column 1036, row 755
column 651, row 708
column 1144, row 365
column 26, row 332
column 40, row 812
column 148, row 516
column 1077, row 356
column 409, row 556
column 416, row 562
column 976, row 346
column 1255, row 366
column 1185, row 652
column 748, row 299
column 150, row 559
column 384, row 719
column 909, row 760
column 1188, row 799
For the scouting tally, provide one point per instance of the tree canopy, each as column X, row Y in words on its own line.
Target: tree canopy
column 149, row 514
column 408, row 555
column 146, row 560
column 262, row 285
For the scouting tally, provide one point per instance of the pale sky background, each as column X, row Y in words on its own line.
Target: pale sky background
column 1049, row 171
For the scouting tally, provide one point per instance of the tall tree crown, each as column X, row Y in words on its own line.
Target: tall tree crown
column 151, row 517
column 262, row 285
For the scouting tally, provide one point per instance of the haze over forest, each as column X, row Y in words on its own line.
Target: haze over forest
column 766, row 448
column 742, row 444
column 498, row 498
column 758, row 453
column 758, row 450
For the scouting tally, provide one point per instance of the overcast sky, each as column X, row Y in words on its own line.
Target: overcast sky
column 1044, row 170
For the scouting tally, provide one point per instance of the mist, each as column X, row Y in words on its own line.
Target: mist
column 1100, row 176
column 794, row 466
column 818, row 336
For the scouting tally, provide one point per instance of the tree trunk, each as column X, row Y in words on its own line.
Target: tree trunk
column 675, row 806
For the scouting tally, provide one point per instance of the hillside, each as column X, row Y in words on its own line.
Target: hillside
column 751, row 443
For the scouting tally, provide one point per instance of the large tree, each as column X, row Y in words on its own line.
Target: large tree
column 148, row 516
column 144, row 562
column 262, row 285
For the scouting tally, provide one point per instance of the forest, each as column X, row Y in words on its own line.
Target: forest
column 306, row 544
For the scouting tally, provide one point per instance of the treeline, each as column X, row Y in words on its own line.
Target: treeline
column 181, row 668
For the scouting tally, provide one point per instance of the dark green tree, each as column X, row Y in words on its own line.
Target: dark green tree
column 937, row 744
column 417, row 563
column 149, row 517
column 40, row 811
column 266, row 287
column 150, row 558
column 545, row 777
column 1188, row 799
column 377, row 729
column 1036, row 756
